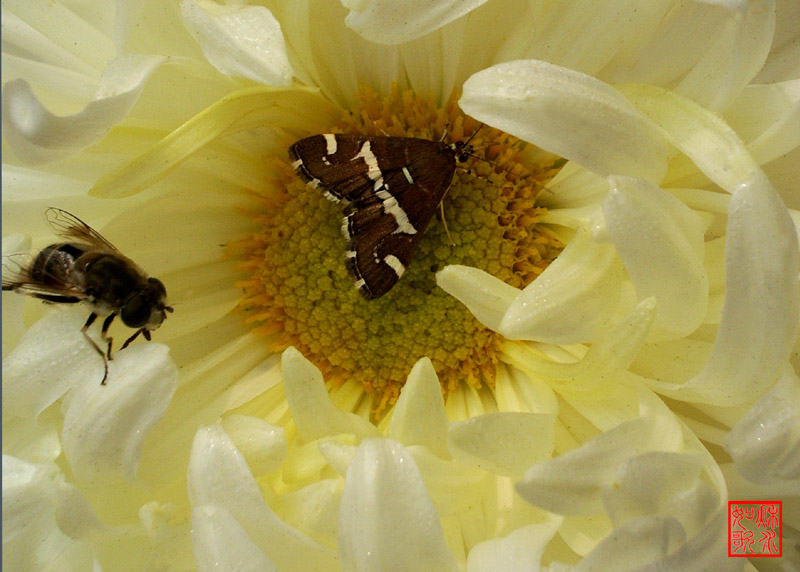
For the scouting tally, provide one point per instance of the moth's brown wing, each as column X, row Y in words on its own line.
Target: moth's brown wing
column 70, row 227
column 384, row 228
column 352, row 167
column 393, row 186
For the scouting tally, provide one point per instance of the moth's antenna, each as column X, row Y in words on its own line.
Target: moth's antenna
column 444, row 221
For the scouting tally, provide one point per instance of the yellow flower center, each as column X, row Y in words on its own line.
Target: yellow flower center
column 301, row 294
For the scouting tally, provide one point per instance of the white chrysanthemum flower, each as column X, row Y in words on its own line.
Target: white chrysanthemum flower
column 599, row 416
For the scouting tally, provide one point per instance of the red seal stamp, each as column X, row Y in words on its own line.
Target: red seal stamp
column 754, row 528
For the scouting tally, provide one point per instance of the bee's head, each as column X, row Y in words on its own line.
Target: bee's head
column 147, row 308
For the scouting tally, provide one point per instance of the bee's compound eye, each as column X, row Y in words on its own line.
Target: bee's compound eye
column 136, row 311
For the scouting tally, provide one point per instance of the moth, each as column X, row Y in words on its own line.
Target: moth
column 391, row 187
column 88, row 268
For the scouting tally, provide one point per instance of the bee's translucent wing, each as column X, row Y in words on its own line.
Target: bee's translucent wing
column 17, row 276
column 67, row 225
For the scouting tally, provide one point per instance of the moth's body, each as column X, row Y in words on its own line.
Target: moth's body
column 90, row 269
column 392, row 187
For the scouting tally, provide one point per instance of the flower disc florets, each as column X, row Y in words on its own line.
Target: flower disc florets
column 301, row 294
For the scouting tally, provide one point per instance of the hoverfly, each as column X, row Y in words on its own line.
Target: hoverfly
column 88, row 268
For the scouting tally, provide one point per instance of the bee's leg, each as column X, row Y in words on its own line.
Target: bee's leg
column 133, row 337
column 104, row 332
column 89, row 322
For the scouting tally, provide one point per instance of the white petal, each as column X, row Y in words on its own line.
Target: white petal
column 52, row 357
column 388, row 521
column 418, row 417
column 567, row 113
column 30, row 439
column 240, row 41
column 32, row 538
column 37, row 136
column 572, row 300
column 399, row 21
column 572, row 484
column 644, row 484
column 503, row 443
column 764, row 444
column 659, row 543
column 263, row 445
column 105, row 425
column 698, row 133
column 520, row 551
column 736, row 55
column 219, row 475
column 293, row 108
column 312, row 409
column 762, row 301
column 642, row 220
column 766, row 117
column 487, row 297
column 220, row 543
column 315, row 509
column 13, row 323
column 636, row 544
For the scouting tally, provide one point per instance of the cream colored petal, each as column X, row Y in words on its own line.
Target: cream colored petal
column 16, row 247
column 262, row 444
column 105, row 425
column 291, row 109
column 455, row 487
column 337, row 72
column 572, row 484
column 398, row 21
column 418, row 417
column 762, row 302
column 572, row 300
column 385, row 500
column 487, row 297
column 783, row 61
column 764, row 445
column 567, row 113
column 520, row 551
column 698, row 133
column 220, row 543
column 660, row 543
column 642, row 219
column 737, row 54
column 52, row 357
column 644, row 484
column 767, row 117
column 637, row 544
column 240, row 41
column 588, row 36
column 36, row 135
column 504, row 443
column 315, row 509
column 313, row 412
column 32, row 537
column 219, row 476
column 31, row 439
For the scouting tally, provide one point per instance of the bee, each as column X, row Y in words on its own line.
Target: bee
column 88, row 268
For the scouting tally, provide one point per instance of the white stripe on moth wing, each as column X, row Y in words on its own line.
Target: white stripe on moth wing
column 373, row 171
column 394, row 263
column 392, row 207
column 330, row 142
